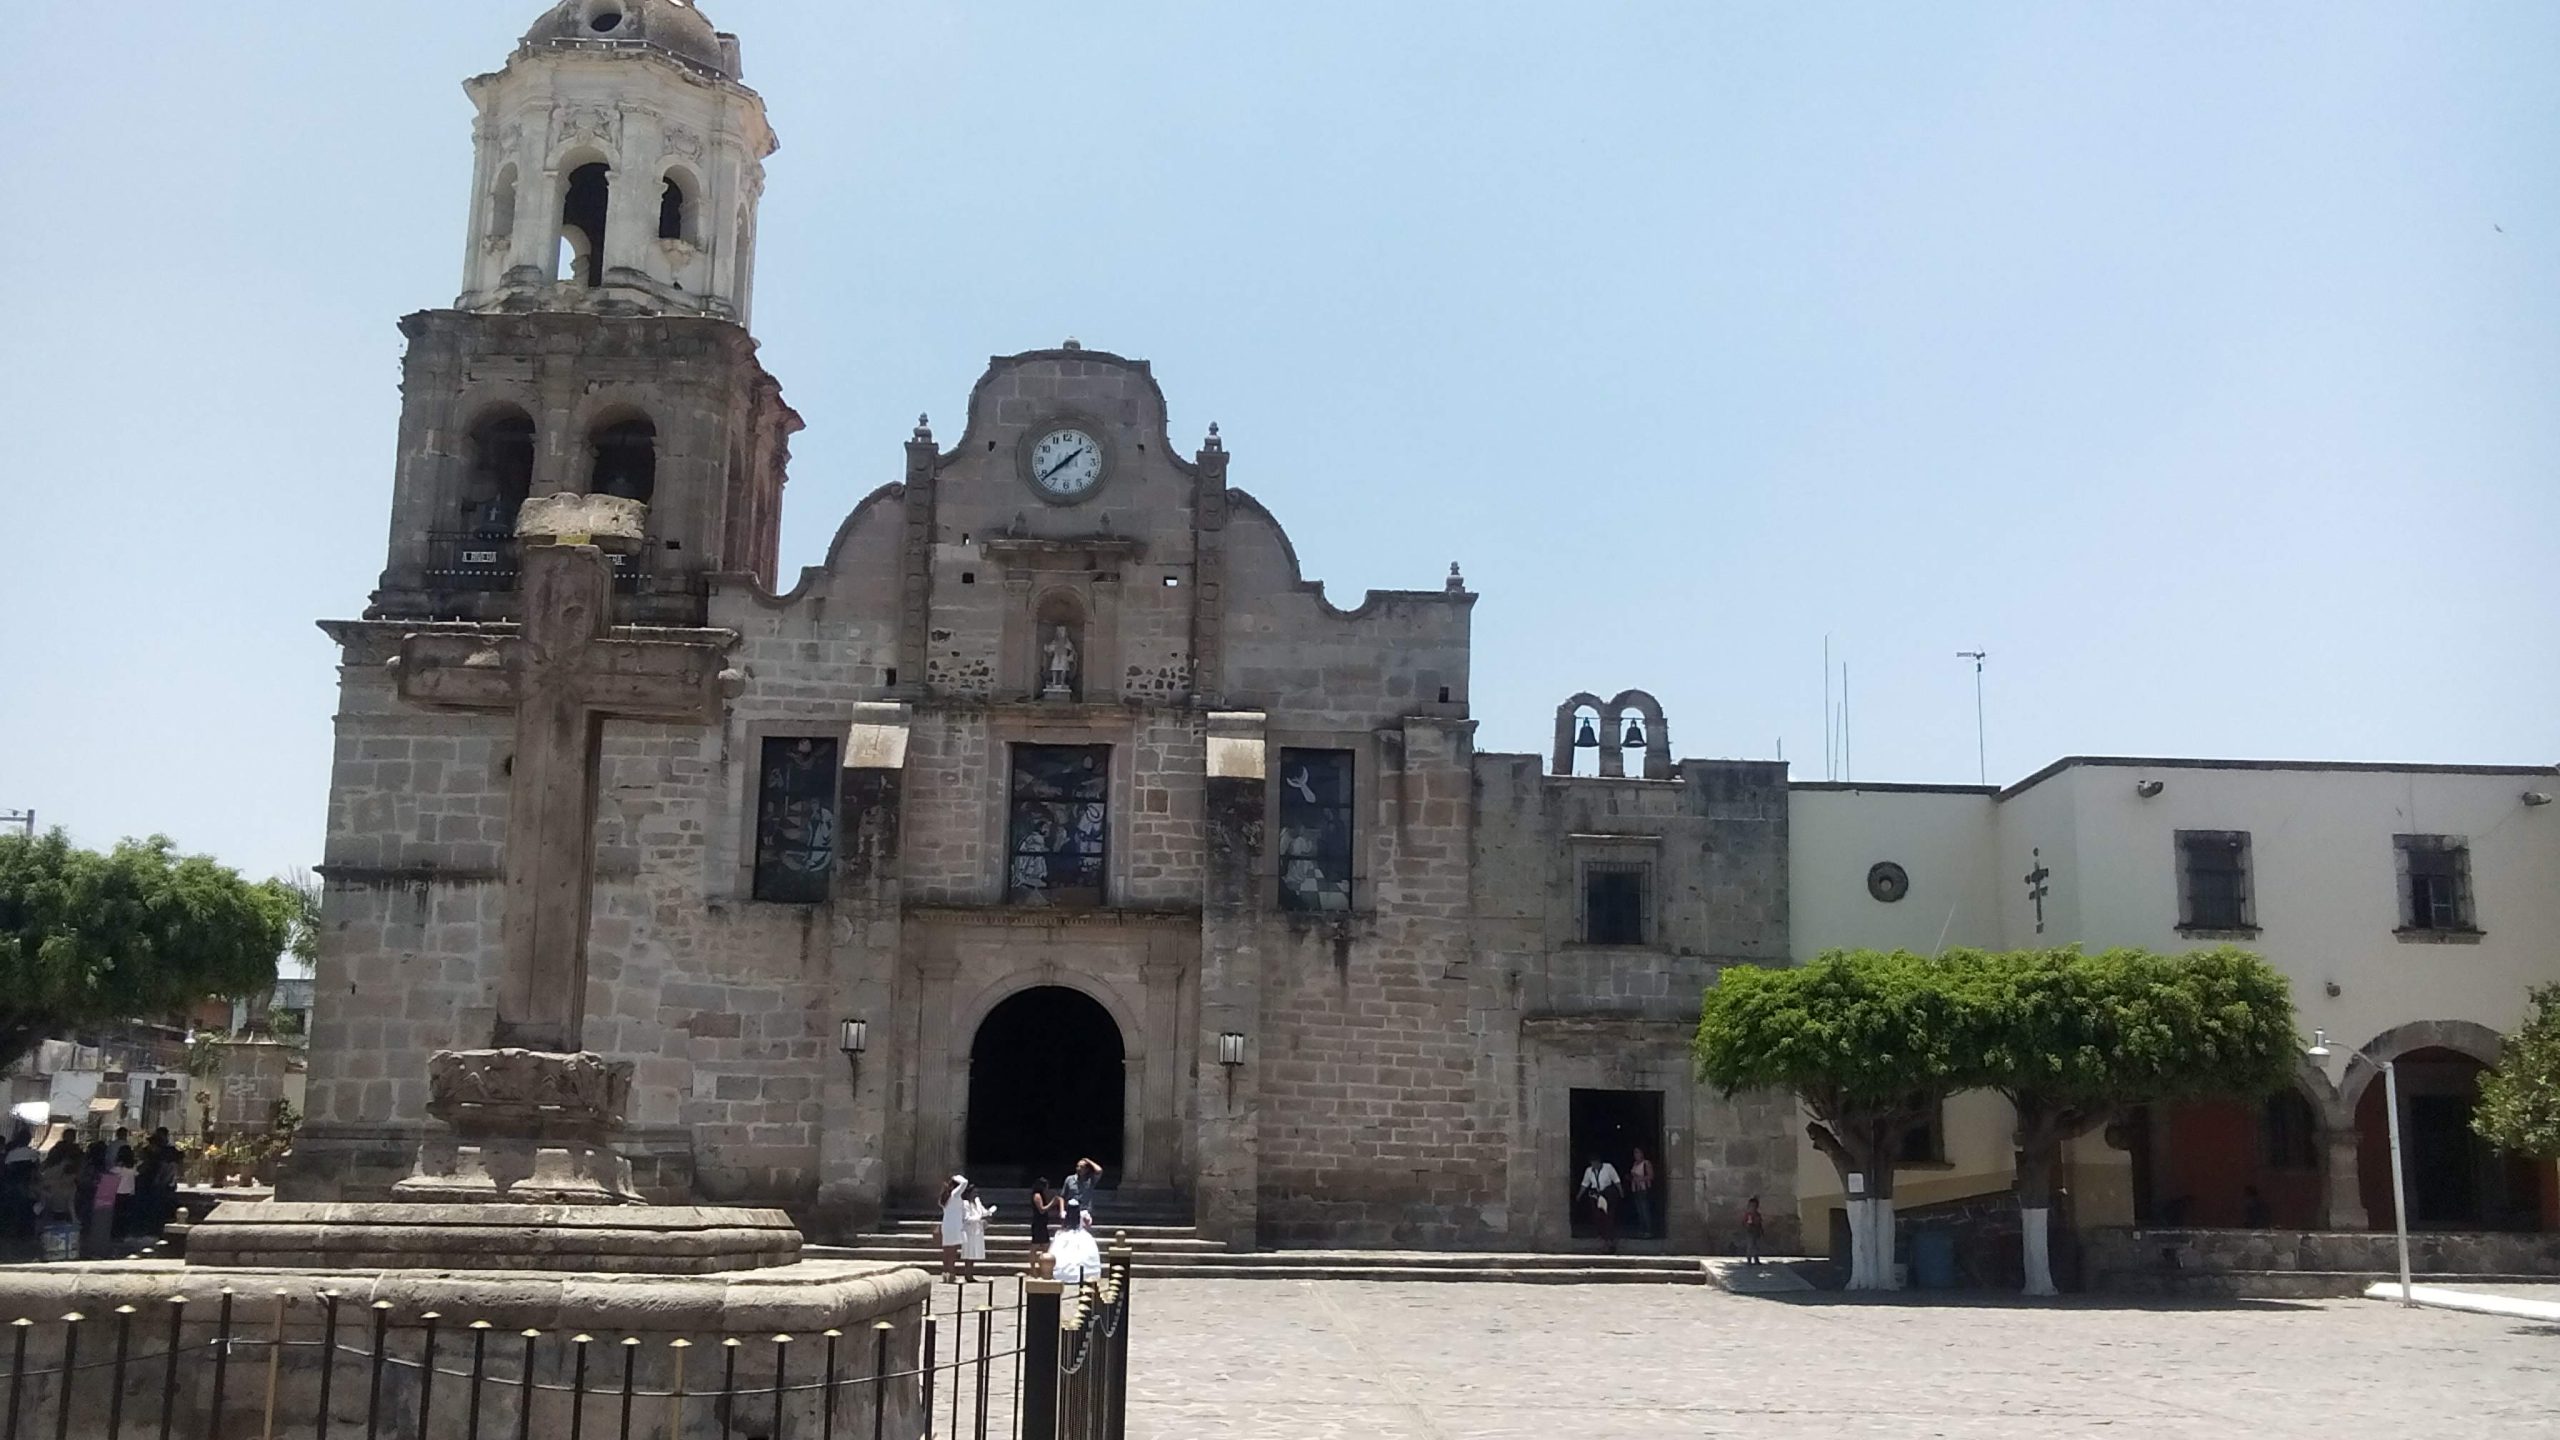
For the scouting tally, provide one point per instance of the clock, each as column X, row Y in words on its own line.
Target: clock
column 1065, row 463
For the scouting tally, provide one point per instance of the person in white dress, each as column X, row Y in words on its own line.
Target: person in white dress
column 1073, row 1256
column 973, row 1232
column 955, row 1222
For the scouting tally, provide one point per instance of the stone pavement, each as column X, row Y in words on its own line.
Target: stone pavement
column 1307, row 1360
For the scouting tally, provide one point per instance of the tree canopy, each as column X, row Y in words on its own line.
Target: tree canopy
column 2519, row 1106
column 1871, row 1041
column 137, row 932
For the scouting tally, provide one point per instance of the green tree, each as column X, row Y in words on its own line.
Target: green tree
column 2075, row 1041
column 1868, row 1041
column 2520, row 1100
column 138, row 931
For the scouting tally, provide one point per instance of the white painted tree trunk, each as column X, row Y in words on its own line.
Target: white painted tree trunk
column 2033, row 1227
column 1871, row 1245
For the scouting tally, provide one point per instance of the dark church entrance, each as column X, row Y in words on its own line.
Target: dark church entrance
column 1045, row 1076
column 1612, row 1125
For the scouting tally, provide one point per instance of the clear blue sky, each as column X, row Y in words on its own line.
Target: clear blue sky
column 2201, row 362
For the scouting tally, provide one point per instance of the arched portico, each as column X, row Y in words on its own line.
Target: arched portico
column 1047, row 1086
column 979, row 1005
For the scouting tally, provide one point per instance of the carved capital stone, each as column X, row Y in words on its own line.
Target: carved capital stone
column 527, row 1094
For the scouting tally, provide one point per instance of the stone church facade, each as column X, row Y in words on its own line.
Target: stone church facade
column 1057, row 782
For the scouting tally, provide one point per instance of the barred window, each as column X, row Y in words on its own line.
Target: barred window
column 795, row 819
column 1315, row 830
column 1615, row 900
column 2213, row 880
column 2435, row 882
column 1061, row 817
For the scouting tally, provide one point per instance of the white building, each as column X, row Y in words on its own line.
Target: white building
column 2413, row 907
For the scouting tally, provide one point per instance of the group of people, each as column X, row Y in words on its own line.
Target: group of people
column 86, row 1202
column 1603, row 1190
column 1061, row 1226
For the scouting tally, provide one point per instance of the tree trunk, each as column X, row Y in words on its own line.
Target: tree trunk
column 1852, row 1149
column 2043, row 1126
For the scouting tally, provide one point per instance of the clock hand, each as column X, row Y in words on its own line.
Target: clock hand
column 1061, row 465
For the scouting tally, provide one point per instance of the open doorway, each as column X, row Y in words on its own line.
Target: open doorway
column 1612, row 1125
column 1045, row 1077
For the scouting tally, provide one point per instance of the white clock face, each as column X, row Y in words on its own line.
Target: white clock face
column 1066, row 463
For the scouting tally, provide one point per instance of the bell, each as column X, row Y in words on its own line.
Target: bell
column 1588, row 739
column 1635, row 734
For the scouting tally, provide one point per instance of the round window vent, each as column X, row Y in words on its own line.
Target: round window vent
column 605, row 21
column 1887, row 881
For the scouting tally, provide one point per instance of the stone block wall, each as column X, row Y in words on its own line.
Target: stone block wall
column 1380, row 1124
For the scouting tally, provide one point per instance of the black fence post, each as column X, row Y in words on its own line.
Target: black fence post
column 1040, row 1359
column 1116, row 1421
column 328, row 1360
column 17, row 1370
column 70, row 1362
column 168, row 1365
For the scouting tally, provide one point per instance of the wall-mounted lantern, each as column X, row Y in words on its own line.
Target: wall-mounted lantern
column 853, row 1037
column 1231, row 1059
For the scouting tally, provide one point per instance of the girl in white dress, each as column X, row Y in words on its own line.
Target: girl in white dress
column 955, row 1222
column 973, row 1231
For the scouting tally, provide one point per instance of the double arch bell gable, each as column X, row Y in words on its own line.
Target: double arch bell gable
column 1611, row 733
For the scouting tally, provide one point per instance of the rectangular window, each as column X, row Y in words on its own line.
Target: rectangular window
column 2213, row 880
column 1061, row 816
column 2435, row 883
column 1926, row 1142
column 795, row 819
column 1614, row 901
column 1315, row 830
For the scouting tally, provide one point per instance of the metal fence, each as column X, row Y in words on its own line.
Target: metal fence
column 999, row 1360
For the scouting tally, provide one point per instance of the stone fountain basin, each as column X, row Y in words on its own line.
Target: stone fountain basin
column 590, row 1239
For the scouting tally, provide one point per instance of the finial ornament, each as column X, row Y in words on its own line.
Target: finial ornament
column 1457, row 582
column 1072, row 344
column 924, row 428
column 1213, row 443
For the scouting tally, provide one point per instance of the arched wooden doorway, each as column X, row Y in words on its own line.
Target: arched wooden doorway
column 1045, row 1088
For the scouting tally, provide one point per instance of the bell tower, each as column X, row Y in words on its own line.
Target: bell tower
column 600, row 341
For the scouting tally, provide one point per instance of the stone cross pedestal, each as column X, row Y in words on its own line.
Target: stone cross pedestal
column 531, row 1117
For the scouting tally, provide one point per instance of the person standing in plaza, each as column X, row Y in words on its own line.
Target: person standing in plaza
column 1599, row 1193
column 1075, row 1257
column 1640, row 1193
column 1081, row 1183
column 1047, row 1210
column 1752, row 1225
column 955, row 1222
column 974, row 1213
column 18, row 1188
column 100, row 1177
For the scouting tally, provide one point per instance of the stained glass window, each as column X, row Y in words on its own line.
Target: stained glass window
column 1315, row 830
column 795, row 819
column 1061, row 816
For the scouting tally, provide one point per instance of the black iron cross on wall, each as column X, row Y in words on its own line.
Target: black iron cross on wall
column 2036, row 889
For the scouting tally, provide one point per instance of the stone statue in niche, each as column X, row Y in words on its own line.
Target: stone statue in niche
column 1058, row 665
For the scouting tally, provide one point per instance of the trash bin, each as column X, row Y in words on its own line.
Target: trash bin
column 1933, row 1259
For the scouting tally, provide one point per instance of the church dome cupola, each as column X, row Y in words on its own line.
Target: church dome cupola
column 671, row 27
column 619, row 162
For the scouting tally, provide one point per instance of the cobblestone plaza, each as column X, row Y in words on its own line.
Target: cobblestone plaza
column 1308, row 1360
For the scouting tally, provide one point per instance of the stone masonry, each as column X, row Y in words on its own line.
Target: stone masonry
column 1277, row 833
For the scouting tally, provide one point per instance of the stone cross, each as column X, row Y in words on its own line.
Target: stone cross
column 562, row 673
